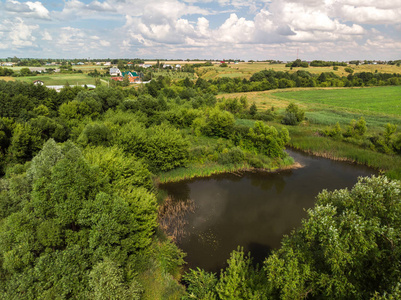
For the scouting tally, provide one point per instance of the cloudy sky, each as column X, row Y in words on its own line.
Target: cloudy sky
column 204, row 29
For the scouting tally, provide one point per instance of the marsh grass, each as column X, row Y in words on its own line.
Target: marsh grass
column 171, row 217
column 340, row 150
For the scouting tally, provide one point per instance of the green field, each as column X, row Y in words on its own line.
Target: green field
column 59, row 79
column 246, row 69
column 385, row 100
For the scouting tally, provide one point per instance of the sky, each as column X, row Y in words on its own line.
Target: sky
column 337, row 30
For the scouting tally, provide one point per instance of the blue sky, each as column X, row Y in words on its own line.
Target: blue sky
column 204, row 29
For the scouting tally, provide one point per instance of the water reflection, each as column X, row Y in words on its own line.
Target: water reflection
column 254, row 210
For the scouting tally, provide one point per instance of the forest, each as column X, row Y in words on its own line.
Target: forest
column 79, row 199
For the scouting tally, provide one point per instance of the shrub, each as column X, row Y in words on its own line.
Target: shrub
column 293, row 115
column 231, row 156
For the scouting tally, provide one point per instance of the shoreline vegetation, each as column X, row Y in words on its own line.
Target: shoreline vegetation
column 207, row 170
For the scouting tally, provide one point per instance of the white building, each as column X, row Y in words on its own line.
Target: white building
column 115, row 72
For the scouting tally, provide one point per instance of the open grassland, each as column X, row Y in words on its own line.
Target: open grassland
column 327, row 106
column 385, row 100
column 58, row 79
column 246, row 69
column 89, row 68
column 173, row 74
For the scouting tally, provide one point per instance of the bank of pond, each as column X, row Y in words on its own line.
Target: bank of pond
column 252, row 209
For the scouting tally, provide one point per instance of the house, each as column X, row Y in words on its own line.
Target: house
column 115, row 72
column 132, row 76
column 178, row 66
column 38, row 82
column 107, row 63
column 80, row 63
column 145, row 66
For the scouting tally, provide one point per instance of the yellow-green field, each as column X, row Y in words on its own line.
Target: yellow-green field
column 245, row 69
column 56, row 79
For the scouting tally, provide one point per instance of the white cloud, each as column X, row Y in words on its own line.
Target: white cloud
column 46, row 36
column 236, row 30
column 20, row 34
column 370, row 14
column 27, row 9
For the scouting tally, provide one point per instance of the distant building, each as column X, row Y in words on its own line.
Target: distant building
column 115, row 72
column 38, row 82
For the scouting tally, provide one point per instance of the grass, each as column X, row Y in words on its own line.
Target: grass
column 325, row 107
column 246, row 69
column 58, row 79
column 307, row 140
column 375, row 99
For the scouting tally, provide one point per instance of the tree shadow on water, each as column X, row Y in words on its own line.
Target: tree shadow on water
column 259, row 252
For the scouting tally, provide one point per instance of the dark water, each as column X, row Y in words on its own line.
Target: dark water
column 254, row 210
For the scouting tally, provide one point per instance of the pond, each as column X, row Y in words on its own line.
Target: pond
column 253, row 210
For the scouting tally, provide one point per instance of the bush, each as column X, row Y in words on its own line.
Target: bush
column 293, row 115
column 96, row 134
column 216, row 123
column 334, row 131
column 231, row 156
column 267, row 140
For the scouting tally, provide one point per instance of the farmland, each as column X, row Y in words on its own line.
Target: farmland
column 246, row 69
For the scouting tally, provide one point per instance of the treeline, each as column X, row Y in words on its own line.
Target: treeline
column 322, row 63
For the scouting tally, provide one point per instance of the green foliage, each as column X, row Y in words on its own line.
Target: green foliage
column 66, row 234
column 163, row 147
column 253, row 109
column 216, row 123
column 107, row 282
column 293, row 115
column 25, row 143
column 356, row 128
column 124, row 171
column 347, row 248
column 335, row 131
column 240, row 280
column 349, row 70
column 95, row 134
column 231, row 156
column 201, row 284
column 267, row 140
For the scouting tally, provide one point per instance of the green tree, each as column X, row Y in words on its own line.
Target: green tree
column 293, row 115
column 347, row 248
column 349, row 70
column 218, row 123
column 267, row 140
column 253, row 109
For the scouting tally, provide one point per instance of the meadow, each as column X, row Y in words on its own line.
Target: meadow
column 375, row 99
column 56, row 79
column 247, row 69
column 325, row 107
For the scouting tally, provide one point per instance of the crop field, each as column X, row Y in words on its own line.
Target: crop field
column 385, row 100
column 57, row 79
column 246, row 69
